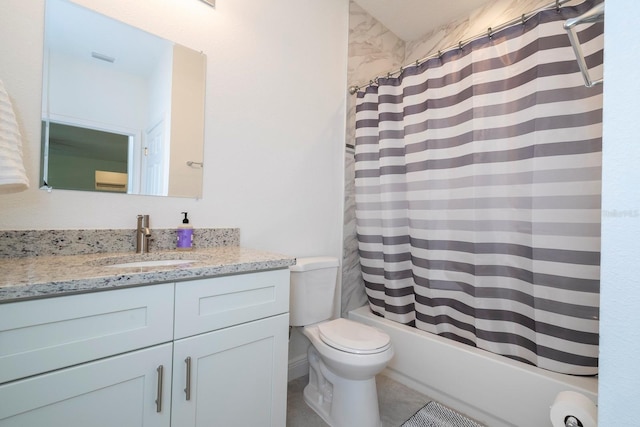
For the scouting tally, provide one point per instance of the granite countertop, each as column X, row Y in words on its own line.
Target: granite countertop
column 48, row 276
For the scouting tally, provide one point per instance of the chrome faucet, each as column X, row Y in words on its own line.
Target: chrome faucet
column 143, row 234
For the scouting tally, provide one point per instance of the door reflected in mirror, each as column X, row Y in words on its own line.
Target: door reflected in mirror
column 122, row 109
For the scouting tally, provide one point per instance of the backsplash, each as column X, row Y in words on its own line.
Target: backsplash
column 26, row 243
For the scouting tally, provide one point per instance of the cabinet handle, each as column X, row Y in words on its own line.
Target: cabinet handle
column 187, row 389
column 160, row 371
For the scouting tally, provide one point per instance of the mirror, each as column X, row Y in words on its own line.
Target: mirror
column 122, row 109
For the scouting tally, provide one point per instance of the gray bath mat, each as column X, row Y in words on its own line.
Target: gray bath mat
column 434, row 414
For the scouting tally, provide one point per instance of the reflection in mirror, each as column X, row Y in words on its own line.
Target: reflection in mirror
column 122, row 110
column 87, row 159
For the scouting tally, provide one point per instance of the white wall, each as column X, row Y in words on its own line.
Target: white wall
column 274, row 130
column 84, row 91
column 620, row 277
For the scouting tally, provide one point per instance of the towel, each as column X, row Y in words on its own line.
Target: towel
column 13, row 177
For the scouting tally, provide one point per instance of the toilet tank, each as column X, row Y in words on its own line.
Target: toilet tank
column 312, row 290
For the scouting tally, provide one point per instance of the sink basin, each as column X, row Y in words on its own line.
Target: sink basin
column 153, row 263
column 149, row 260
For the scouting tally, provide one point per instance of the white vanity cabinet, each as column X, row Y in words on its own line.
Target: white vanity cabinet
column 208, row 352
column 230, row 351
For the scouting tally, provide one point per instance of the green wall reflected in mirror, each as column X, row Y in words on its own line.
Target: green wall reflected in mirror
column 76, row 154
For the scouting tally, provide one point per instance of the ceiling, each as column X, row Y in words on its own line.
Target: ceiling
column 412, row 19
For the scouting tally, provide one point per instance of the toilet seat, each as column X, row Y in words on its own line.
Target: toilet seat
column 353, row 337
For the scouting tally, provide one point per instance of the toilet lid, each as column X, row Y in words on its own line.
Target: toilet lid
column 352, row 337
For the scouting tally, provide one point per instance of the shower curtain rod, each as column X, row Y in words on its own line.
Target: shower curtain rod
column 490, row 31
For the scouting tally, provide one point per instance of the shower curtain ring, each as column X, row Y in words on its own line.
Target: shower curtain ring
column 460, row 45
column 524, row 21
column 490, row 32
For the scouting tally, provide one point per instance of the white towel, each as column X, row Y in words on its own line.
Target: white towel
column 13, row 177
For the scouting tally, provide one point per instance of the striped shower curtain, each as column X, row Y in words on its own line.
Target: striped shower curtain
column 478, row 194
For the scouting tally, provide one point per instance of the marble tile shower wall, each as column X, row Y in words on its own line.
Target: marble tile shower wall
column 374, row 51
column 490, row 15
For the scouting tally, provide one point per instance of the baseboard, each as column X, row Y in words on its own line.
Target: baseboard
column 298, row 367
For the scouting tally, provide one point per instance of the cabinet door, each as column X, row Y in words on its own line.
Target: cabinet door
column 117, row 391
column 238, row 376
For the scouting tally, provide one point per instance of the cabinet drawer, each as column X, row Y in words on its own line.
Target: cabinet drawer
column 210, row 304
column 42, row 335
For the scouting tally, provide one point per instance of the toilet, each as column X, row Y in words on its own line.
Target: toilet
column 344, row 356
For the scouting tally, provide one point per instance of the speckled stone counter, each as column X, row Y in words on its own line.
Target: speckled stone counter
column 48, row 276
column 29, row 243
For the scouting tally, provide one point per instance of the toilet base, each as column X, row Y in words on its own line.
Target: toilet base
column 315, row 401
column 341, row 402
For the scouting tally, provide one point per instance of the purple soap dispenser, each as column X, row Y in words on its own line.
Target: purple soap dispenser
column 185, row 235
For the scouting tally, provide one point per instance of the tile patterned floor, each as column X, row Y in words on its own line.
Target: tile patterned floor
column 397, row 403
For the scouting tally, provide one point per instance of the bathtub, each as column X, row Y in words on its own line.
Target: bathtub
column 494, row 390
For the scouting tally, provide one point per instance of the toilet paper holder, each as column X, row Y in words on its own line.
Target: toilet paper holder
column 573, row 409
column 571, row 421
